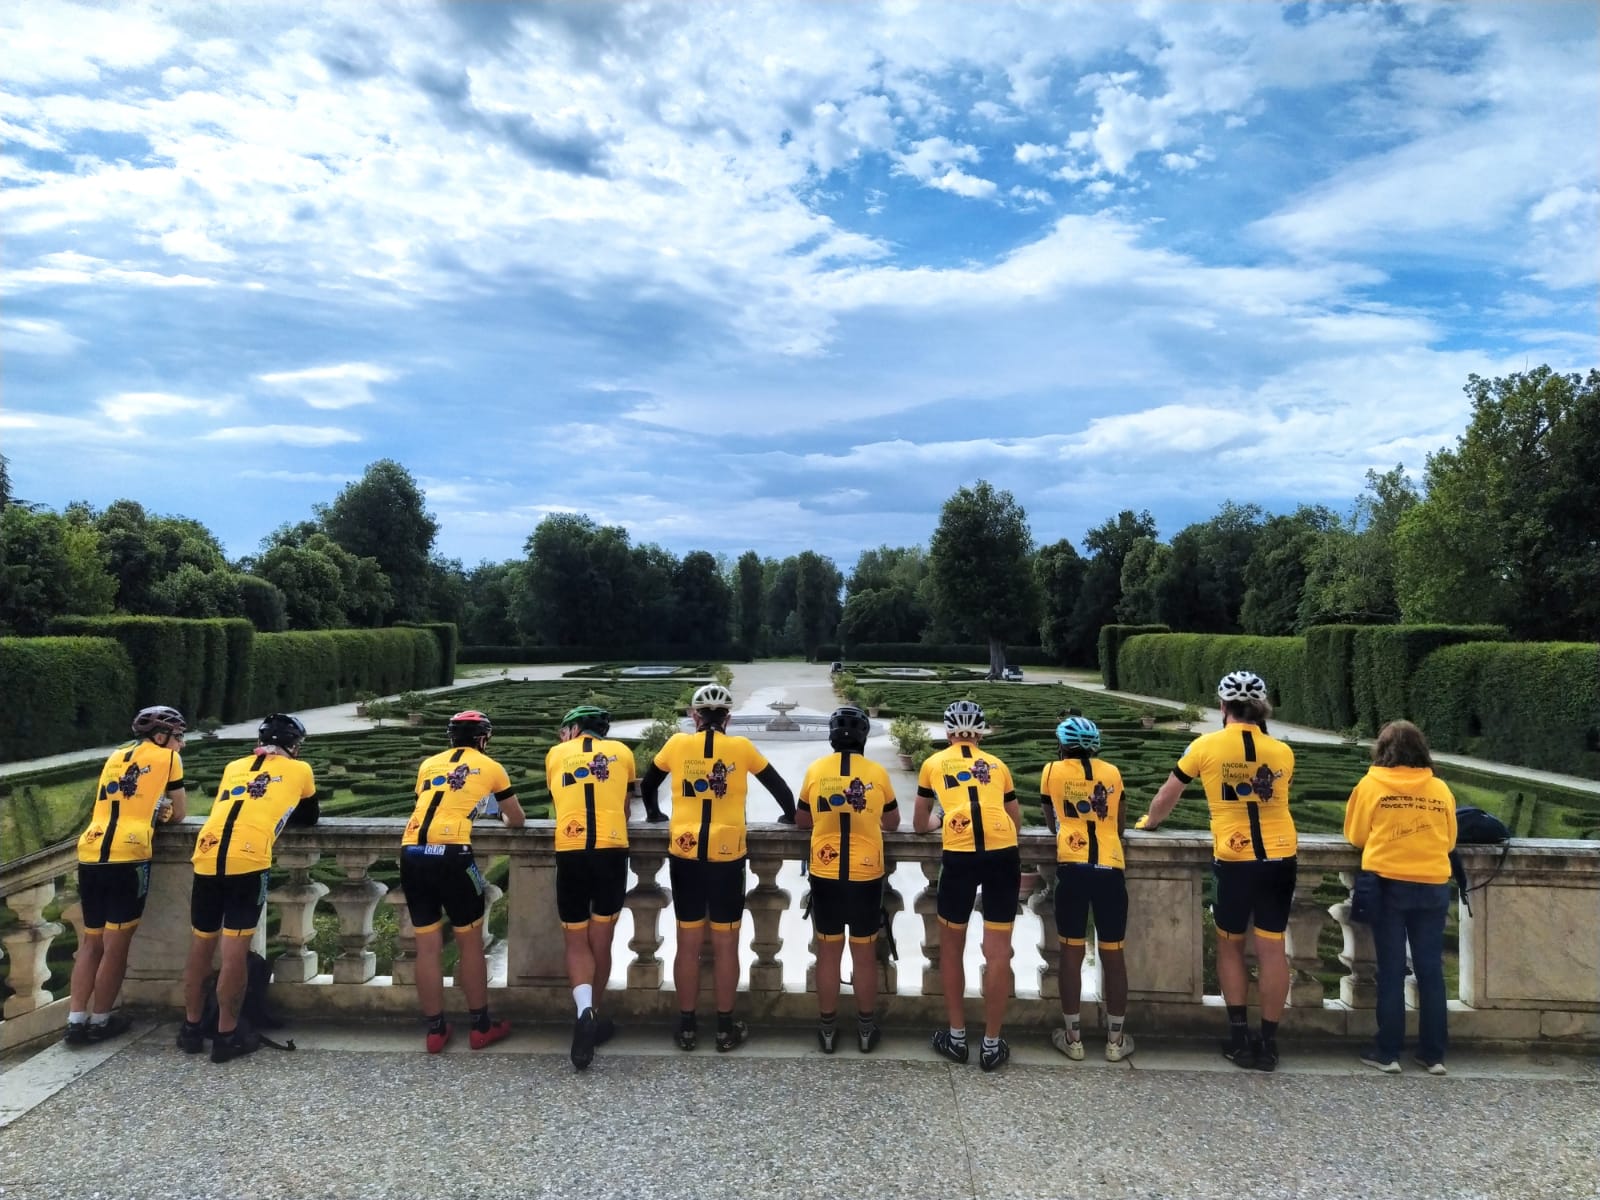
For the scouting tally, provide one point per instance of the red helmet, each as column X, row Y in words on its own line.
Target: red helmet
column 469, row 728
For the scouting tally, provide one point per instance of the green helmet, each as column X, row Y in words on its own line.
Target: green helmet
column 589, row 719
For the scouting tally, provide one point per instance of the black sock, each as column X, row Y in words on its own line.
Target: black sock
column 827, row 1020
column 1269, row 1031
column 480, row 1018
column 865, row 1020
column 435, row 1023
column 686, row 1022
column 1238, row 1024
column 725, row 1022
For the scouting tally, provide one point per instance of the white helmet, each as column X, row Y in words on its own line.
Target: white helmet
column 713, row 695
column 963, row 717
column 1241, row 685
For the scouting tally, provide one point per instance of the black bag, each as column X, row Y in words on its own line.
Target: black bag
column 1366, row 896
column 255, row 1014
column 1474, row 827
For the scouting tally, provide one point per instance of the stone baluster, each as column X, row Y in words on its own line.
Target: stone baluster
column 926, row 905
column 297, row 910
column 1043, row 904
column 1358, row 989
column 492, row 895
column 1306, row 918
column 893, row 904
column 646, row 900
column 767, row 903
column 812, row 945
column 355, row 898
column 404, row 969
column 28, row 945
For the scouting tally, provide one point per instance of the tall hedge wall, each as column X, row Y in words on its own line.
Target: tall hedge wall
column 974, row 653
column 1110, row 643
column 180, row 662
column 600, row 654
column 64, row 693
column 1386, row 658
column 449, row 639
column 1330, row 675
column 1533, row 703
column 291, row 671
column 1187, row 666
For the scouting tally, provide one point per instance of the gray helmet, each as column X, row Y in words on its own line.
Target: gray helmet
column 159, row 718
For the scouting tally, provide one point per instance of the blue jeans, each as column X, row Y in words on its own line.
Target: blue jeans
column 1415, row 913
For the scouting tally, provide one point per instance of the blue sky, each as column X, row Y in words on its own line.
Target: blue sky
column 778, row 276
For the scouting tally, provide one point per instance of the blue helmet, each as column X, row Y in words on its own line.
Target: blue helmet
column 1079, row 733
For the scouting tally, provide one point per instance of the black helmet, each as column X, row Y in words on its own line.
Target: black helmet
column 588, row 718
column 848, row 729
column 281, row 730
column 470, row 728
column 159, row 718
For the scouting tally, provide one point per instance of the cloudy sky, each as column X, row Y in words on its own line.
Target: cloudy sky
column 779, row 276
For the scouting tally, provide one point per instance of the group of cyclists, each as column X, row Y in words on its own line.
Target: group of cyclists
column 847, row 801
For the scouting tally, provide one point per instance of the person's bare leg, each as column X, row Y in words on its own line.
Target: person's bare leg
column 1272, row 966
column 85, row 966
column 472, row 969
column 231, row 980
column 725, row 968
column 202, row 950
column 953, row 973
column 430, row 972
column 113, row 966
column 686, row 965
column 864, row 978
column 830, row 958
column 997, row 979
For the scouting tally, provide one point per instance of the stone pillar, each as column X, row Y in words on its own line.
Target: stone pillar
column 1358, row 989
column 157, row 956
column 926, row 905
column 1043, row 904
column 28, row 945
column 1306, row 919
column 1166, row 929
column 297, row 908
column 1529, row 941
column 404, row 970
column 811, row 948
column 492, row 895
column 767, row 903
column 893, row 904
column 645, row 901
column 355, row 898
column 536, row 953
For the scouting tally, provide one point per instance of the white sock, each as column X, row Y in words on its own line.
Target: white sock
column 99, row 1018
column 991, row 1043
column 77, row 1018
column 1073, row 1022
column 958, row 1036
column 583, row 995
column 1114, row 1027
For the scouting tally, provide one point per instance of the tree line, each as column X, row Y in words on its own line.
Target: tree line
column 1502, row 529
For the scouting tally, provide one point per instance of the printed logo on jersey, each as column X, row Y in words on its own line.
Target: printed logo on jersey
column 573, row 828
column 685, row 842
column 854, row 794
column 958, row 823
column 597, row 768
column 456, row 779
column 1099, row 802
column 208, row 843
column 94, row 834
column 1238, row 783
column 1238, row 841
column 257, row 787
column 980, row 771
column 1076, row 841
column 827, row 854
column 128, row 782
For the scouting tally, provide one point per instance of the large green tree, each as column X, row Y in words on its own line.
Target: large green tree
column 703, row 602
column 383, row 516
column 487, row 620
column 1275, row 577
column 1510, row 529
column 747, row 592
column 1108, row 544
column 886, row 596
column 50, row 565
column 1350, row 575
column 1058, row 570
column 980, row 560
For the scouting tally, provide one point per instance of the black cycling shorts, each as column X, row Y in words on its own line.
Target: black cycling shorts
column 113, row 894
column 1080, row 888
column 229, row 904
column 702, row 889
column 590, row 882
column 856, row 903
column 1258, row 891
column 441, row 880
column 997, row 872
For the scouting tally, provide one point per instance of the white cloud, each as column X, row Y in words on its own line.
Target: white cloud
column 958, row 181
column 342, row 385
column 126, row 408
column 297, row 476
column 283, row 435
column 26, row 335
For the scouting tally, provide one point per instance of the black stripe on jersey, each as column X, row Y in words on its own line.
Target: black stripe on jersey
column 588, row 812
column 111, row 831
column 1252, row 809
column 260, row 758
column 427, row 817
column 844, row 762
column 1088, row 771
column 1186, row 779
column 977, row 819
column 711, row 742
column 588, row 745
column 1094, row 844
column 128, row 757
column 1249, row 745
column 844, row 847
column 705, row 829
column 227, row 834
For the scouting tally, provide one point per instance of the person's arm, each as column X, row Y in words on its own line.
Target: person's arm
column 924, row 817
column 1014, row 811
column 1047, row 804
column 890, row 820
column 1165, row 801
column 306, row 813
column 769, row 778
column 177, row 804
column 511, row 810
column 648, row 786
column 1357, row 818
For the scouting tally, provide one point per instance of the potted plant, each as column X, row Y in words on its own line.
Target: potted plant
column 911, row 741
column 363, row 699
column 1147, row 718
column 208, row 727
column 377, row 710
column 412, row 704
column 873, row 700
column 1350, row 735
column 1187, row 716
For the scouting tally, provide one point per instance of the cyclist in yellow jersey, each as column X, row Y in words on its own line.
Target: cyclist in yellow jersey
column 591, row 779
column 969, row 795
column 1247, row 776
column 141, row 785
column 706, row 844
column 1403, row 817
column 1083, row 803
column 440, row 878
column 259, row 795
column 848, row 802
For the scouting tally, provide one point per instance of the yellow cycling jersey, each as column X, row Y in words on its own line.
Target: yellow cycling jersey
column 1404, row 820
column 257, row 794
column 847, row 794
column 589, row 779
column 1247, row 776
column 452, row 788
column 1087, row 796
column 711, row 773
column 972, row 788
column 133, row 783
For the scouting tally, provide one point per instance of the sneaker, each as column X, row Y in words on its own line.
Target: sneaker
column 867, row 1039
column 1433, row 1068
column 946, row 1048
column 1072, row 1048
column 1119, row 1050
column 604, row 1030
column 113, row 1026
column 191, row 1038
column 733, row 1037
column 497, row 1031
column 993, row 1060
column 1379, row 1062
column 583, row 1039
column 826, row 1035
column 78, row 1034
column 238, row 1043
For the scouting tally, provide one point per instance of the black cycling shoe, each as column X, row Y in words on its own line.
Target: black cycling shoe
column 993, row 1060
column 604, row 1030
column 78, row 1034
column 946, row 1048
column 827, row 1035
column 113, row 1026
column 867, row 1039
column 1266, row 1056
column 227, row 1047
column 733, row 1037
column 583, row 1030
column 191, row 1040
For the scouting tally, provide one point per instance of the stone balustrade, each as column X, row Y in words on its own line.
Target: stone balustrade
column 1529, row 951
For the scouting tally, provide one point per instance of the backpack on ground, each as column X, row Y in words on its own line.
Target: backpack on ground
column 1474, row 827
column 255, row 1014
